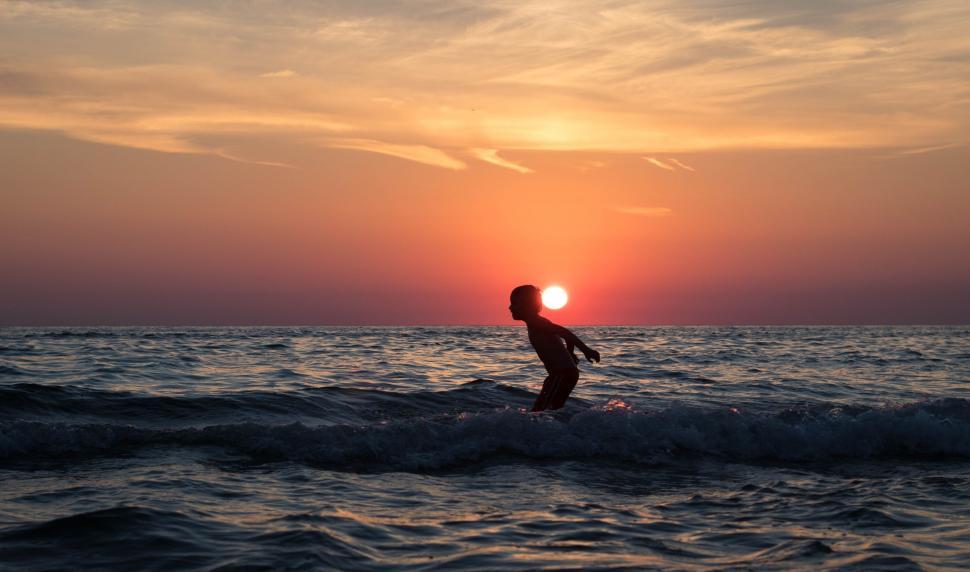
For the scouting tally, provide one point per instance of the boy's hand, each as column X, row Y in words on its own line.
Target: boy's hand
column 592, row 355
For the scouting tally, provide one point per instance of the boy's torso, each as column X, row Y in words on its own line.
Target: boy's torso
column 551, row 349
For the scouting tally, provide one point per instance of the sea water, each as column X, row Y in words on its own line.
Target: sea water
column 413, row 448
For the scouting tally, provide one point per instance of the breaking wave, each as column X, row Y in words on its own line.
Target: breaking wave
column 930, row 429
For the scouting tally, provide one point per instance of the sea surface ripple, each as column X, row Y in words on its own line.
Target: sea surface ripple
column 412, row 448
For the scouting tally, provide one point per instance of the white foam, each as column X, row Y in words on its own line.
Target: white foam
column 938, row 428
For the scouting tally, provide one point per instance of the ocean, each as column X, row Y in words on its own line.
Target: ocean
column 306, row 448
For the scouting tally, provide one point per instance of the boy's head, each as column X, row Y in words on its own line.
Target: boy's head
column 526, row 301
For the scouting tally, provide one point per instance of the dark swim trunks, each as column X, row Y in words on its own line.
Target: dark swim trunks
column 556, row 389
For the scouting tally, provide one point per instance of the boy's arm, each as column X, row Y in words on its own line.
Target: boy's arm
column 571, row 339
column 570, row 347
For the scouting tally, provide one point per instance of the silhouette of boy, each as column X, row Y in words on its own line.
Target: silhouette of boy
column 547, row 339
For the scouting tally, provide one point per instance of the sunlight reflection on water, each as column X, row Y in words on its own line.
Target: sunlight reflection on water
column 361, row 448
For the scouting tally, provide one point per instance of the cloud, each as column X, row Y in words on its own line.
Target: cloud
column 655, row 212
column 417, row 153
column 658, row 163
column 590, row 164
column 669, row 164
column 281, row 73
column 107, row 16
column 681, row 165
column 931, row 149
column 125, row 106
column 916, row 151
column 628, row 76
column 232, row 157
column 491, row 156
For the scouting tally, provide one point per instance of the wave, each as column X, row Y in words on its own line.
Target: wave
column 73, row 334
column 101, row 540
column 11, row 370
column 931, row 429
column 30, row 401
column 172, row 540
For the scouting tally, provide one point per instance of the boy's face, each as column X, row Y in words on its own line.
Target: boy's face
column 522, row 308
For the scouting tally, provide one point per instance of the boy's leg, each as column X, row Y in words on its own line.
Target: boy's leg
column 543, row 400
column 560, row 391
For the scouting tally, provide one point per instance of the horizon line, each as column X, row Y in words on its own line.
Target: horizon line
column 420, row 325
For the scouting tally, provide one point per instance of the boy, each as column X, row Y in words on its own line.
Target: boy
column 559, row 359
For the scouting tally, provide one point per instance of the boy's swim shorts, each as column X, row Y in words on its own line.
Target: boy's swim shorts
column 556, row 388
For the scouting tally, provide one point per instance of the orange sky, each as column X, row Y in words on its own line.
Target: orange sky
column 666, row 162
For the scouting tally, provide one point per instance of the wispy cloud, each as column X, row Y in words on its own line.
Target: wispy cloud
column 101, row 14
column 232, row 157
column 280, row 73
column 917, row 151
column 124, row 106
column 491, row 156
column 682, row 165
column 417, row 153
column 588, row 165
column 931, row 149
column 655, row 212
column 658, row 163
column 628, row 76
column 669, row 164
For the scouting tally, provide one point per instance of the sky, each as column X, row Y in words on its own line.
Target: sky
column 346, row 162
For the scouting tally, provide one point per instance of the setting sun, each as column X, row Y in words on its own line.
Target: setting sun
column 554, row 297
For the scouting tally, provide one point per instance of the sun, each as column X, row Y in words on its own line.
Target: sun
column 554, row 297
